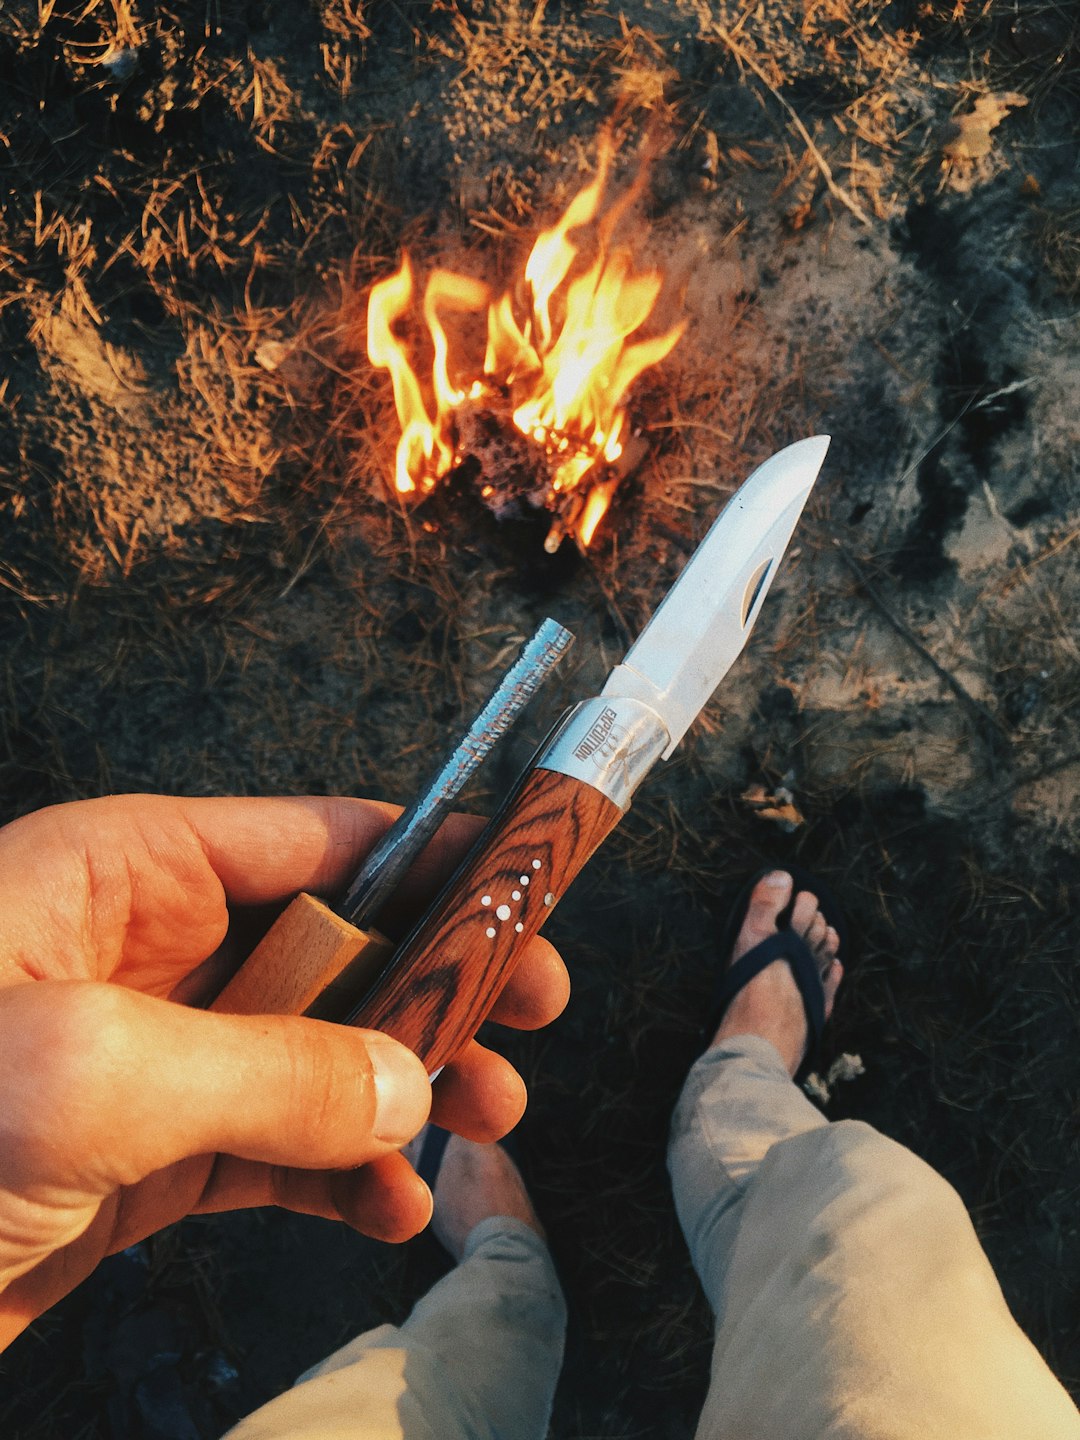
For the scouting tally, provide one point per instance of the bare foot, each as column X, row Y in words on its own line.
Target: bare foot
column 770, row 1005
column 474, row 1183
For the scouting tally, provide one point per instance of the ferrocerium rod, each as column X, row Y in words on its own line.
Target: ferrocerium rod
column 399, row 847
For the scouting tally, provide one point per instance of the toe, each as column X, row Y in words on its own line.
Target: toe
column 831, row 981
column 825, row 949
column 824, row 943
column 815, row 935
column 803, row 912
column 767, row 899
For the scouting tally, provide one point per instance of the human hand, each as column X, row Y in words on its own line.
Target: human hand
column 122, row 1110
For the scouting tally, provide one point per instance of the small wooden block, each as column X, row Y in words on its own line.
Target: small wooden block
column 306, row 949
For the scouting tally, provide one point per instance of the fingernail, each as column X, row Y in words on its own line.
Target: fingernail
column 402, row 1093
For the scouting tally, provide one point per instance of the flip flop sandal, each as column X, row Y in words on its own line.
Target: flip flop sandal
column 430, row 1159
column 784, row 945
column 427, row 1167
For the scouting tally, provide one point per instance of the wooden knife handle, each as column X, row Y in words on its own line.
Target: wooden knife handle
column 449, row 971
column 310, row 962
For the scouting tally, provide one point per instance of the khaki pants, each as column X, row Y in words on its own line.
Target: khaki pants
column 852, row 1300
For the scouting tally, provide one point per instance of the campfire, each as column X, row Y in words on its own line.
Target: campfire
column 542, row 421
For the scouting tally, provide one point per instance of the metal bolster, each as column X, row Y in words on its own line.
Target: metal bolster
column 609, row 742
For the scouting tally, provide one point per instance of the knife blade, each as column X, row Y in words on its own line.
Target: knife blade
column 702, row 625
column 446, row 975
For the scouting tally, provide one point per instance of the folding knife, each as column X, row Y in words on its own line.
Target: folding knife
column 444, row 977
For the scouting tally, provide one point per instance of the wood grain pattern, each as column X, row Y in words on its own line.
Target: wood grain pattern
column 450, row 970
column 305, row 951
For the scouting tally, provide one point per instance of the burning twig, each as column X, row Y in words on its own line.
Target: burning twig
column 543, row 423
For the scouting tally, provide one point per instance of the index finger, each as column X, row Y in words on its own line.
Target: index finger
column 138, row 887
column 267, row 849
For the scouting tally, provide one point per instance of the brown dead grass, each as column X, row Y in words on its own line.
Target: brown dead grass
column 203, row 587
column 1056, row 233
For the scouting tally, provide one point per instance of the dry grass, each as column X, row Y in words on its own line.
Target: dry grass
column 202, row 588
column 1057, row 236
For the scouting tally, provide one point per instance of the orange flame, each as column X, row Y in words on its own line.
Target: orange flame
column 567, row 365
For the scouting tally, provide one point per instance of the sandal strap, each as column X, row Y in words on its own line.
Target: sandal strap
column 430, row 1159
column 791, row 947
column 431, row 1155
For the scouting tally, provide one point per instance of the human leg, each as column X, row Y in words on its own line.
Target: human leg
column 478, row 1356
column 851, row 1296
column 738, row 1100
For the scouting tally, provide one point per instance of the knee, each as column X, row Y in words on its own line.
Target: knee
column 876, row 1185
column 867, row 1154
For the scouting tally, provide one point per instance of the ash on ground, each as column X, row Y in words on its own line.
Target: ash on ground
column 511, row 473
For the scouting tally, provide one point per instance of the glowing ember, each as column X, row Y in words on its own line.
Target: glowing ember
column 560, row 372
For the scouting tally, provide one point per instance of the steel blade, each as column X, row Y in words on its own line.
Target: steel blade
column 701, row 626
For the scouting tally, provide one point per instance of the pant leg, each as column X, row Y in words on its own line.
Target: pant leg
column 851, row 1295
column 478, row 1358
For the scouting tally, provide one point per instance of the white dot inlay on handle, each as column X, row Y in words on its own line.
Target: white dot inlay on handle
column 519, row 927
column 485, row 899
column 503, row 912
column 536, row 864
column 524, row 880
column 515, row 894
column 490, row 932
column 549, row 898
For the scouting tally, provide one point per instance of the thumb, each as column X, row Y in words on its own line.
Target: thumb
column 108, row 1085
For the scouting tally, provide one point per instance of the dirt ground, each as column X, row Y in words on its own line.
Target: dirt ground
column 869, row 215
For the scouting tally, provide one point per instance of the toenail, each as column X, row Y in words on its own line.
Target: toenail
column 776, row 879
